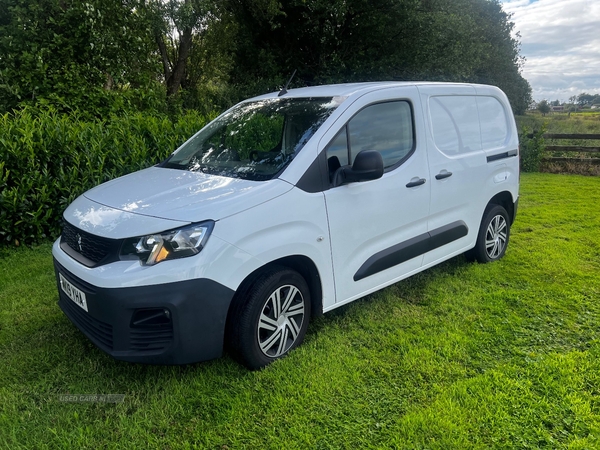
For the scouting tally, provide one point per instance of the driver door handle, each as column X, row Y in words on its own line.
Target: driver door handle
column 416, row 181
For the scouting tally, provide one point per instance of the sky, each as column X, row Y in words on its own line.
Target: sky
column 560, row 40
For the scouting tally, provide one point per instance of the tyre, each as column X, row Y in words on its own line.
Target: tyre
column 270, row 318
column 493, row 236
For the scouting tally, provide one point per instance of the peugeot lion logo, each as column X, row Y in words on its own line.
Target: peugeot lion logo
column 79, row 242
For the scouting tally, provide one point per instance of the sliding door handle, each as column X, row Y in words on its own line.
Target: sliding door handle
column 416, row 181
column 443, row 174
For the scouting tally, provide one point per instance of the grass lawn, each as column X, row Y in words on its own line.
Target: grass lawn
column 460, row 356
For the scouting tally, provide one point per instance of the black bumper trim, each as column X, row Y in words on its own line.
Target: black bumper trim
column 198, row 310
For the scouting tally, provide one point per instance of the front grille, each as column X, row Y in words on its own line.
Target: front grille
column 150, row 339
column 97, row 330
column 88, row 248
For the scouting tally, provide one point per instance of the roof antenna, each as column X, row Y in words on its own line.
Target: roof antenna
column 284, row 90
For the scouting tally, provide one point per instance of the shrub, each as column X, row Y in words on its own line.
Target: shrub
column 48, row 159
column 532, row 148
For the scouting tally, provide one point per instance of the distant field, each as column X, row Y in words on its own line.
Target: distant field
column 579, row 122
column 463, row 355
column 562, row 123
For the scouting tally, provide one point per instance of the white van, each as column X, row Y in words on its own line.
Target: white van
column 287, row 205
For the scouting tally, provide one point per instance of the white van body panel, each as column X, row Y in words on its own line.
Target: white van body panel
column 184, row 196
column 366, row 218
column 113, row 223
column 127, row 274
column 292, row 224
column 455, row 110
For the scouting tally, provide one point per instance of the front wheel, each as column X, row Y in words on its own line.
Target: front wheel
column 271, row 319
column 493, row 236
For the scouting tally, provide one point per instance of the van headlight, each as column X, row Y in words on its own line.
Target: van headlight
column 173, row 244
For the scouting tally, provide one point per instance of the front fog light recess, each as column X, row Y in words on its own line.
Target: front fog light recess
column 179, row 243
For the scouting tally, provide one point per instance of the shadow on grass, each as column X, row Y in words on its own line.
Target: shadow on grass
column 411, row 290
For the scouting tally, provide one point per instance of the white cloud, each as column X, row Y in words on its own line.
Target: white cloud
column 561, row 43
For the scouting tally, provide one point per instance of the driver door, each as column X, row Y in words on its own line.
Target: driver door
column 378, row 228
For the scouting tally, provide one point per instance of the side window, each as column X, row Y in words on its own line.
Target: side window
column 384, row 127
column 337, row 150
column 455, row 124
column 494, row 128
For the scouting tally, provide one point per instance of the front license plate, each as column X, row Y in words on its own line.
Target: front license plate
column 77, row 295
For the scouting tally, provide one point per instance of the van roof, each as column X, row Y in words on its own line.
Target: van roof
column 348, row 89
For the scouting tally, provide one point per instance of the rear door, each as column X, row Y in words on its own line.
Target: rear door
column 378, row 228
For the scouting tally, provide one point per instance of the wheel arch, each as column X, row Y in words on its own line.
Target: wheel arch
column 301, row 264
column 504, row 199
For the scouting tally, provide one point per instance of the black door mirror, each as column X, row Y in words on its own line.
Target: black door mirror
column 368, row 165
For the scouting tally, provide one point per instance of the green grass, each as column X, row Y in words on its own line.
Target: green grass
column 503, row 355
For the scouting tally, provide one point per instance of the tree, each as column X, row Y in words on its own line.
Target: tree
column 585, row 99
column 362, row 40
column 96, row 54
column 176, row 24
column 544, row 107
column 70, row 53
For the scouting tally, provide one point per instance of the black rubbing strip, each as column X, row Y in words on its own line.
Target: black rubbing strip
column 393, row 256
column 446, row 234
column 504, row 155
column 412, row 248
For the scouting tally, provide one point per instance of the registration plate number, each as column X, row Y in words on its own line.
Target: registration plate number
column 77, row 295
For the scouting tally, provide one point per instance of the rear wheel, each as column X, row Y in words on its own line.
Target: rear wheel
column 493, row 236
column 271, row 319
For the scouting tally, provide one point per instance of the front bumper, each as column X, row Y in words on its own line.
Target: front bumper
column 192, row 330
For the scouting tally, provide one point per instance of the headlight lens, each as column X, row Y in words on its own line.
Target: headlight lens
column 179, row 243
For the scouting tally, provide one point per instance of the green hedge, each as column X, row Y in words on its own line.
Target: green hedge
column 532, row 148
column 48, row 159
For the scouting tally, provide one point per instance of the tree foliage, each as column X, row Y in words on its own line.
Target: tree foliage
column 48, row 159
column 73, row 54
column 543, row 107
column 360, row 40
column 107, row 55
column 584, row 99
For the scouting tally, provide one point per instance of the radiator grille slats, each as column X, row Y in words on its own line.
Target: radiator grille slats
column 88, row 248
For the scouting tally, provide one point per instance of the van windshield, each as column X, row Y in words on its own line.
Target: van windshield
column 254, row 140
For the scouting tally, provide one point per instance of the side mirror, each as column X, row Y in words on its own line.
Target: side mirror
column 368, row 165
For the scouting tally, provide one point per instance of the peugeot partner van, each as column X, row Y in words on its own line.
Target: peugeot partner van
column 287, row 205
